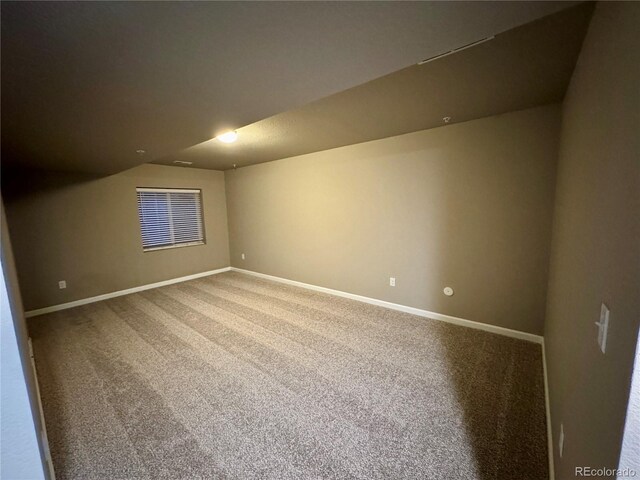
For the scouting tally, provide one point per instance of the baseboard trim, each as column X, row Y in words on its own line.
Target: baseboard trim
column 547, row 403
column 530, row 337
column 119, row 293
column 43, row 433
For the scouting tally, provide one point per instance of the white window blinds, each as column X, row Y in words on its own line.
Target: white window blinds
column 170, row 217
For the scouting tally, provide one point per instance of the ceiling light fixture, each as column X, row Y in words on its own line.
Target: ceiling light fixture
column 228, row 137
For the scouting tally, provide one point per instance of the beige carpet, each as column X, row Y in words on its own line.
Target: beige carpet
column 231, row 376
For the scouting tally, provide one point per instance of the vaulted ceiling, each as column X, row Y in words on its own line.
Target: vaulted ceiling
column 85, row 85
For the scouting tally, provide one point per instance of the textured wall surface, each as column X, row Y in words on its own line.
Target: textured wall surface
column 595, row 248
column 87, row 233
column 467, row 205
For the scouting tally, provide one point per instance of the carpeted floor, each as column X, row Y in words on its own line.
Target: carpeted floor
column 231, row 376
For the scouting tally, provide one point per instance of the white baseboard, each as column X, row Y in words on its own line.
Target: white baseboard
column 547, row 405
column 43, row 433
column 119, row 293
column 403, row 308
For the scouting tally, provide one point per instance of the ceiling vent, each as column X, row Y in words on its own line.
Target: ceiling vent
column 456, row 50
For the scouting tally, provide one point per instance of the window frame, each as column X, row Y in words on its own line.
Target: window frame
column 171, row 190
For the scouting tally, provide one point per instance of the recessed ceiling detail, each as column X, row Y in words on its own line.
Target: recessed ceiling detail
column 85, row 83
column 524, row 67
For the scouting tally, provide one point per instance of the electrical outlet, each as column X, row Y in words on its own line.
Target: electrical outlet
column 62, row 284
column 243, row 256
column 392, row 281
column 603, row 327
column 561, row 440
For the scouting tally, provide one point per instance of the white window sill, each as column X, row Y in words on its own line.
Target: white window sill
column 179, row 245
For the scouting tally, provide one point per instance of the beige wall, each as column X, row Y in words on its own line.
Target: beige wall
column 596, row 243
column 87, row 233
column 467, row 205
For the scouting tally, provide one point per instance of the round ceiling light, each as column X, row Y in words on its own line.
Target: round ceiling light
column 228, row 137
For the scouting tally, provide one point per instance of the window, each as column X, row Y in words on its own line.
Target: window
column 170, row 217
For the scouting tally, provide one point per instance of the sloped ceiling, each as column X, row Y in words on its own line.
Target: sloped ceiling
column 521, row 68
column 87, row 84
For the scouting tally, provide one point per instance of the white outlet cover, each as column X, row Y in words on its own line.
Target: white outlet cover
column 448, row 291
column 243, row 256
column 603, row 327
column 392, row 281
column 62, row 284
